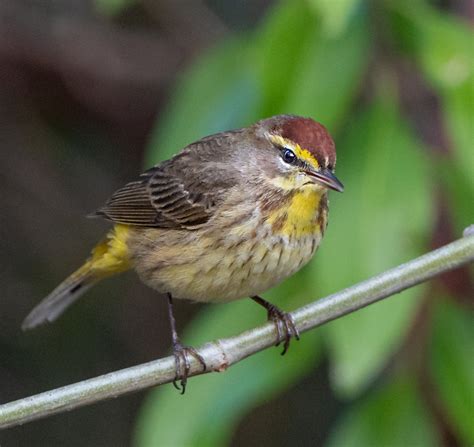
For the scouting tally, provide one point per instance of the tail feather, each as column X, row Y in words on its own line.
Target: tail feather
column 109, row 257
column 51, row 307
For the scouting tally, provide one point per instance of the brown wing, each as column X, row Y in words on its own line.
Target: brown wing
column 179, row 193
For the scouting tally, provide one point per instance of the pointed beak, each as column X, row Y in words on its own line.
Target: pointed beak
column 326, row 178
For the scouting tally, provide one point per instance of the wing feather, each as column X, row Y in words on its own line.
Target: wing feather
column 182, row 192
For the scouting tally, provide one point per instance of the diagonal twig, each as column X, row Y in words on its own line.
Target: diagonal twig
column 220, row 354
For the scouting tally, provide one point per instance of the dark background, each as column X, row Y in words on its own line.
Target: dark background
column 82, row 86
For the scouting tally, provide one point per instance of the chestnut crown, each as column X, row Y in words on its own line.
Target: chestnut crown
column 305, row 132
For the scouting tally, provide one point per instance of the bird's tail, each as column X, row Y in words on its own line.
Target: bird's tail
column 109, row 257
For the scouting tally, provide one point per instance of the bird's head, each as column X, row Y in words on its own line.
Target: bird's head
column 300, row 153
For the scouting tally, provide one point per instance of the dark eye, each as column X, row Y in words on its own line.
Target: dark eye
column 288, row 156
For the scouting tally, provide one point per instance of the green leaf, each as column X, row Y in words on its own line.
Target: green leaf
column 457, row 105
column 278, row 48
column 329, row 74
column 306, row 72
column 335, row 16
column 445, row 48
column 392, row 417
column 381, row 220
column 445, row 55
column 442, row 47
column 219, row 93
column 452, row 365
column 457, row 187
column 459, row 112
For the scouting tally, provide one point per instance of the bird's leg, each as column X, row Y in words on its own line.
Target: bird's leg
column 284, row 323
column 181, row 353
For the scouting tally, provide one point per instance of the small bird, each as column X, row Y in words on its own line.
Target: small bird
column 228, row 217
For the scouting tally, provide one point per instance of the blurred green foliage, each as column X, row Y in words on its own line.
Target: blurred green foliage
column 314, row 59
column 452, row 366
column 111, row 7
column 378, row 235
column 386, row 418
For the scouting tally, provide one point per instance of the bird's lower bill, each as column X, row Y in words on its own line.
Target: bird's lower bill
column 327, row 179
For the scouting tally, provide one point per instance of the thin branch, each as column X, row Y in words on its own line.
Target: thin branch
column 220, row 354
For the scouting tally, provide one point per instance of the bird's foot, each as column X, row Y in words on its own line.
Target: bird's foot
column 181, row 357
column 285, row 326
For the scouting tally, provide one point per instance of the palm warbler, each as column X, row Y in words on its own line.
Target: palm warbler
column 228, row 217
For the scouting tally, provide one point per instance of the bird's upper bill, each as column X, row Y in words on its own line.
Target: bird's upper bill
column 311, row 142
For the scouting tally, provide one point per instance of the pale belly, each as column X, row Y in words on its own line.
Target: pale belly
column 234, row 267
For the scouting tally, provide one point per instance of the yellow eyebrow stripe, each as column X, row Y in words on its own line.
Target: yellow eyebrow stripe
column 302, row 154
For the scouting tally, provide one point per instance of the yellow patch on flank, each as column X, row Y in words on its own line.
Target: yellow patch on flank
column 111, row 255
column 301, row 153
column 300, row 216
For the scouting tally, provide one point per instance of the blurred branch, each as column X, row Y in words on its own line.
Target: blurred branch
column 220, row 354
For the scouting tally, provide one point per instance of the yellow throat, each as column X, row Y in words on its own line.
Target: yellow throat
column 301, row 216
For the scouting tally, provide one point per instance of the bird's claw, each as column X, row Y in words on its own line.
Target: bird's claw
column 183, row 366
column 285, row 327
